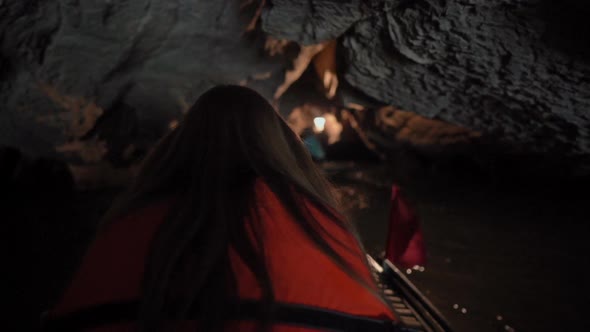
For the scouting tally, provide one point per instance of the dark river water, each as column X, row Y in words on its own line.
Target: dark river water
column 500, row 258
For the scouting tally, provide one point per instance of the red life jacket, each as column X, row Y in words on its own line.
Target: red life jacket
column 113, row 267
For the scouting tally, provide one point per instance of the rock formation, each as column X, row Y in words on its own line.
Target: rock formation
column 97, row 82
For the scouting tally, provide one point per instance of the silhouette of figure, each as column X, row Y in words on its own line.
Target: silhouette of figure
column 229, row 225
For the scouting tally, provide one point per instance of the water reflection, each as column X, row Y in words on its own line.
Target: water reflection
column 417, row 268
column 489, row 251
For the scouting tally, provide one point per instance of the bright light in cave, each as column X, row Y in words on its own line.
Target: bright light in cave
column 319, row 124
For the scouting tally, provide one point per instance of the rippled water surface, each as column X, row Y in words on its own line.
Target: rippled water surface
column 499, row 260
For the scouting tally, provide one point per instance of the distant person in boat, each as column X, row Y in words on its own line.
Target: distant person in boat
column 228, row 226
column 313, row 145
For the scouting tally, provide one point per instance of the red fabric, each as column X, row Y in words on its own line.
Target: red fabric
column 405, row 242
column 113, row 267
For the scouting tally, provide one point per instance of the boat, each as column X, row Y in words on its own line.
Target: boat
column 415, row 312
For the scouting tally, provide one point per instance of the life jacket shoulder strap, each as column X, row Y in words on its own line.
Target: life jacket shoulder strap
column 283, row 313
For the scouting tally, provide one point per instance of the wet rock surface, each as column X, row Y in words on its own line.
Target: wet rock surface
column 87, row 81
column 492, row 66
column 72, row 62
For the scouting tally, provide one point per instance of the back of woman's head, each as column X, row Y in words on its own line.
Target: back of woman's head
column 229, row 134
column 208, row 165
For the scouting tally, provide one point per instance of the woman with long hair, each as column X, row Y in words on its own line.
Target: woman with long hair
column 229, row 225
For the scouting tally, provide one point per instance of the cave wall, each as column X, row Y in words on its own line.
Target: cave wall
column 90, row 81
column 518, row 70
column 78, row 72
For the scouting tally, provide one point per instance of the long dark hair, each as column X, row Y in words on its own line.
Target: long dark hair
column 208, row 166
